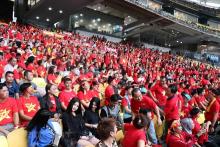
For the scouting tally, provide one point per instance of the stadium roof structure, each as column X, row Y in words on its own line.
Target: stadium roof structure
column 208, row 3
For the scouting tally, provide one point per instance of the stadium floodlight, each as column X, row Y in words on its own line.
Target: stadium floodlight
column 47, row 19
column 37, row 17
column 50, row 8
column 60, row 11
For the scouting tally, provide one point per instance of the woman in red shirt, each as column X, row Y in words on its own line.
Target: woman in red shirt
column 51, row 77
column 28, row 105
column 201, row 133
column 135, row 135
column 177, row 138
column 85, row 94
column 50, row 101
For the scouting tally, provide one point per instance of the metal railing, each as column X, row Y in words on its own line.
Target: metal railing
column 32, row 3
column 196, row 26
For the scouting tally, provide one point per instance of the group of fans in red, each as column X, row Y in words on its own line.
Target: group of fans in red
column 156, row 98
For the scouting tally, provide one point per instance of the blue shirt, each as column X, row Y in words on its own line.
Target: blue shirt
column 13, row 89
column 42, row 138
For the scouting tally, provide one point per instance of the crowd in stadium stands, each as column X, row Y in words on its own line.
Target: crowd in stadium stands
column 74, row 90
column 201, row 27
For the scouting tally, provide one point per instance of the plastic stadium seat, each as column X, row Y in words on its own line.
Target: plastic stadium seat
column 90, row 146
column 201, row 118
column 119, row 135
column 3, row 141
column 17, row 138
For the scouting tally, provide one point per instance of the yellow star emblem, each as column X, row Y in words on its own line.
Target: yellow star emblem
column 4, row 114
column 30, row 107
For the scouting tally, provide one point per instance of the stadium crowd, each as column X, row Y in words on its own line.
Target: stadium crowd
column 95, row 89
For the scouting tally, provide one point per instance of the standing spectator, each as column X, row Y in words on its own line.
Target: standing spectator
column 171, row 109
column 12, row 86
column 143, row 102
column 135, row 133
column 9, row 119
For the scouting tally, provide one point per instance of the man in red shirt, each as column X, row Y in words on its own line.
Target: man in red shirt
column 9, row 118
column 67, row 94
column 110, row 89
column 158, row 92
column 143, row 102
column 171, row 109
column 213, row 108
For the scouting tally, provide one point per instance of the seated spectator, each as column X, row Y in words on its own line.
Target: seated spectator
column 12, row 62
column 50, row 101
column 28, row 105
column 9, row 119
column 186, row 108
column 28, row 78
column 113, row 109
column 135, row 133
column 84, row 93
column 176, row 137
column 41, row 131
column 126, row 104
column 91, row 115
column 52, row 77
column 107, row 130
column 110, row 89
column 74, row 125
column 201, row 133
column 67, row 94
column 12, row 86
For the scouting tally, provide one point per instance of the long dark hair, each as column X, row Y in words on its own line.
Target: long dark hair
column 46, row 96
column 97, row 101
column 39, row 120
column 51, row 70
column 70, row 106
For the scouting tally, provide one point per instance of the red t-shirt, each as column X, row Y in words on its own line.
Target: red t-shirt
column 7, row 110
column 52, row 77
column 85, row 96
column 146, row 103
column 29, row 105
column 213, row 109
column 197, row 127
column 109, row 91
column 174, row 141
column 185, row 110
column 132, row 136
column 65, row 97
column 53, row 107
column 171, row 108
column 159, row 93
